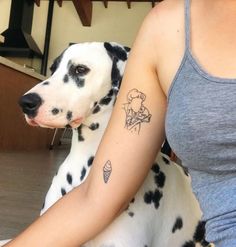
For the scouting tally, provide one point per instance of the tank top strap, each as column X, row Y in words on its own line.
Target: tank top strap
column 187, row 24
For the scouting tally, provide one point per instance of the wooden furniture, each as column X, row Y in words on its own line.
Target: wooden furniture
column 84, row 7
column 15, row 134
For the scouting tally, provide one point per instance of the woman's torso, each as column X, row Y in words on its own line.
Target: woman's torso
column 204, row 100
column 198, row 75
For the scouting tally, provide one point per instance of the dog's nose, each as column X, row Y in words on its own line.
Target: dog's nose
column 30, row 103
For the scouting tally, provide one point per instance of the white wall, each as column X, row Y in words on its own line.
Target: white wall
column 116, row 23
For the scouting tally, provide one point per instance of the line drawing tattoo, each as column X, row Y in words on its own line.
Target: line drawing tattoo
column 107, row 169
column 136, row 112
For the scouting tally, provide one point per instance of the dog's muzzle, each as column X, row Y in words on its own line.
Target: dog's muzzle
column 30, row 103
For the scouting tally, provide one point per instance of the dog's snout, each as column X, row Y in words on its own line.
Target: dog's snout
column 30, row 103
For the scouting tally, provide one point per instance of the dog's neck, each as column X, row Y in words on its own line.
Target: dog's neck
column 92, row 129
column 99, row 110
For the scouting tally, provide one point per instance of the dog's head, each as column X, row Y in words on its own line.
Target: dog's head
column 86, row 77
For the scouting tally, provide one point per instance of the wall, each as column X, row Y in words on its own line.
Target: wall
column 116, row 23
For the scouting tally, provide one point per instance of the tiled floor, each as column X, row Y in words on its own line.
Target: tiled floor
column 24, row 180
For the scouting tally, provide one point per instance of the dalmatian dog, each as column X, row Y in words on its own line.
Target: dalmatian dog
column 80, row 94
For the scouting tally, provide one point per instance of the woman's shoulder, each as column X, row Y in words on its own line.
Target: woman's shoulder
column 161, row 39
column 168, row 6
column 164, row 25
column 166, row 14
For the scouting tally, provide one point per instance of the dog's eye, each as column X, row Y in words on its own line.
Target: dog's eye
column 81, row 70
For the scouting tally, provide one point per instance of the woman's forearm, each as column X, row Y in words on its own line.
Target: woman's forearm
column 72, row 221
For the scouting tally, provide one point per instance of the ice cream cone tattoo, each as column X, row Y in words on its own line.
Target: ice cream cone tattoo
column 136, row 112
column 107, row 169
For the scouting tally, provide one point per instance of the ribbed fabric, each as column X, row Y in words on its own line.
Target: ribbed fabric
column 201, row 129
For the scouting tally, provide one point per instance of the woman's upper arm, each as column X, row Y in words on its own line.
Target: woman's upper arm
column 128, row 148
column 135, row 131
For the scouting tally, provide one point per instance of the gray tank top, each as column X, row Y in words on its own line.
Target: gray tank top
column 201, row 129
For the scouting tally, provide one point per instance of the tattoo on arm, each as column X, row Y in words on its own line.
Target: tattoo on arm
column 136, row 112
column 107, row 169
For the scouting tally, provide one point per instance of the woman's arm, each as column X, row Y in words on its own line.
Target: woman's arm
column 124, row 157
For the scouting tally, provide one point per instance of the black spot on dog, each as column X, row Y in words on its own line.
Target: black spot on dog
column 160, row 179
column 80, row 136
column 105, row 101
column 77, row 72
column 178, row 224
column 148, row 197
column 79, row 82
column 45, row 83
column 199, row 234
column 115, row 75
column 94, row 126
column 156, row 168
column 167, row 162
column 198, row 237
column 69, row 115
column 69, row 178
column 156, row 198
column 131, row 214
column 66, row 78
column 153, row 197
column 55, row 111
column 56, row 63
column 63, row 191
column 96, row 109
column 83, row 173
column 115, row 90
column 116, row 51
column 204, row 243
column 127, row 48
column 133, row 200
column 90, row 161
column 189, row 244
column 110, row 93
column 166, row 149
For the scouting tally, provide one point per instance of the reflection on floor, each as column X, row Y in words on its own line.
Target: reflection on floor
column 24, row 180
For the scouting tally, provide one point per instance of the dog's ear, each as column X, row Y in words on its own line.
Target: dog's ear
column 56, row 63
column 117, row 53
column 72, row 43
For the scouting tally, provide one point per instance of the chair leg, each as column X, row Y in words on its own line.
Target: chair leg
column 62, row 136
column 53, row 139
